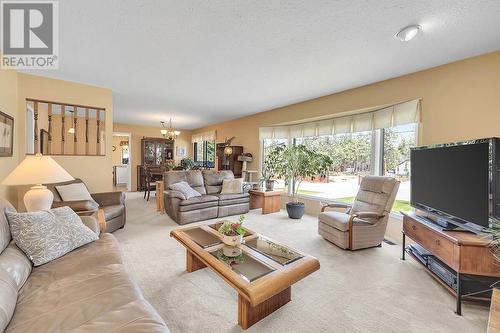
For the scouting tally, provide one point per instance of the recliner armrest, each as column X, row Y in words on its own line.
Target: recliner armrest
column 109, row 198
column 174, row 194
column 77, row 205
column 335, row 205
column 364, row 215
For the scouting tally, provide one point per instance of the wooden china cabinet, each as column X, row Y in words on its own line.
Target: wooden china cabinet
column 155, row 153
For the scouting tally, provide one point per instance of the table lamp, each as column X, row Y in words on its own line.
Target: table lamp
column 37, row 170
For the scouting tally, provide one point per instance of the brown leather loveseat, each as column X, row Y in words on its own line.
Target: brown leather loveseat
column 210, row 204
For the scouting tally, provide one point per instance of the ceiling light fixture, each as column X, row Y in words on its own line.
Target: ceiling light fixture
column 408, row 33
column 169, row 132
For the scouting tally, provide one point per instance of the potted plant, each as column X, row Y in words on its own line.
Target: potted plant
column 273, row 154
column 494, row 233
column 187, row 163
column 295, row 163
column 232, row 232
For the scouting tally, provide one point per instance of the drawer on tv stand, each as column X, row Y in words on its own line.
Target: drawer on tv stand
column 438, row 245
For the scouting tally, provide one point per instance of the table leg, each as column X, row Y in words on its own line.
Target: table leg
column 403, row 246
column 193, row 263
column 249, row 315
column 459, row 295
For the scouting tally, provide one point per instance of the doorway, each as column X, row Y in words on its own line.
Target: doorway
column 122, row 158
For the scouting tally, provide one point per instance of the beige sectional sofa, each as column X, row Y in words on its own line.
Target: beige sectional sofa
column 87, row 290
column 210, row 204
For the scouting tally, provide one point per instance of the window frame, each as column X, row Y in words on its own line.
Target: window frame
column 204, row 161
column 376, row 161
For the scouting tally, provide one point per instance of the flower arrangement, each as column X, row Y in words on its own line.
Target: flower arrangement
column 232, row 232
column 230, row 228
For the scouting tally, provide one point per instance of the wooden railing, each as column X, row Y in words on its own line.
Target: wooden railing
column 55, row 128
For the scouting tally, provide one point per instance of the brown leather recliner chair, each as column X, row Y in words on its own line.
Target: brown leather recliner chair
column 363, row 224
column 112, row 203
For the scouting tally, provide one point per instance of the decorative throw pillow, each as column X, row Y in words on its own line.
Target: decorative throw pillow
column 48, row 235
column 232, row 186
column 74, row 192
column 185, row 189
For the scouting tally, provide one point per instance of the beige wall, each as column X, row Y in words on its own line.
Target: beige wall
column 460, row 101
column 8, row 105
column 138, row 132
column 84, row 167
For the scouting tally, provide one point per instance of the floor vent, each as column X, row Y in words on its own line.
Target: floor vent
column 389, row 242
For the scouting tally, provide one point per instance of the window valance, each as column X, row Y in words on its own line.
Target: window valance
column 204, row 136
column 397, row 114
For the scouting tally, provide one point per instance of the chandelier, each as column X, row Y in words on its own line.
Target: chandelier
column 169, row 132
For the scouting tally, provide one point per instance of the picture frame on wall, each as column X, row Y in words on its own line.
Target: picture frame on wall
column 6, row 135
column 181, row 151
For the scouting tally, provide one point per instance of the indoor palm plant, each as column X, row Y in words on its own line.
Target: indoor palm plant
column 295, row 163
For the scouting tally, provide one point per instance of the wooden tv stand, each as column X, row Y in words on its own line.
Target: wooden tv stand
column 465, row 252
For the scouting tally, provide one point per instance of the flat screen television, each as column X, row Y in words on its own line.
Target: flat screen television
column 455, row 182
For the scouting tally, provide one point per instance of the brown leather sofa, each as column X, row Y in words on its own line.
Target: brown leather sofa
column 210, row 204
column 87, row 290
column 112, row 203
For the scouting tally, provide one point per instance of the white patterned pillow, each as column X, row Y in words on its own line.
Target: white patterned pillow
column 232, row 186
column 48, row 235
column 185, row 189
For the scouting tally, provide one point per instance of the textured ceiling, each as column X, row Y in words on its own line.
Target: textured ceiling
column 203, row 62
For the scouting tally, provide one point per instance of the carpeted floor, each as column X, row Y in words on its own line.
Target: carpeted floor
column 364, row 291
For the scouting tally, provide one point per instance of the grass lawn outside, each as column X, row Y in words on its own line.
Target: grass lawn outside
column 399, row 205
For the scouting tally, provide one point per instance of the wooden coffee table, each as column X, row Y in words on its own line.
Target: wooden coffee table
column 261, row 270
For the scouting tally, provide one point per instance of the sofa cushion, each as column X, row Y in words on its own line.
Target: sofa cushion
column 47, row 235
column 232, row 186
column 104, row 251
column 233, row 196
column 110, row 212
column 195, row 180
column 198, row 200
column 8, row 298
column 234, row 201
column 198, row 206
column 185, row 189
column 338, row 220
column 52, row 187
column 73, row 192
column 16, row 264
column 213, row 180
column 5, row 236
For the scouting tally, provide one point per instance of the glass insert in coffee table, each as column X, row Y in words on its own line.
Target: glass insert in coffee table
column 279, row 253
column 202, row 237
column 242, row 263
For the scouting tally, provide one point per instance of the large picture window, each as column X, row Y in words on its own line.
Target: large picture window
column 355, row 155
column 204, row 154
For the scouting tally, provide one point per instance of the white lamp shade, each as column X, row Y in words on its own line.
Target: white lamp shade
column 37, row 169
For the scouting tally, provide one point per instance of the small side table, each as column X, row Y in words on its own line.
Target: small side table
column 160, row 205
column 269, row 201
